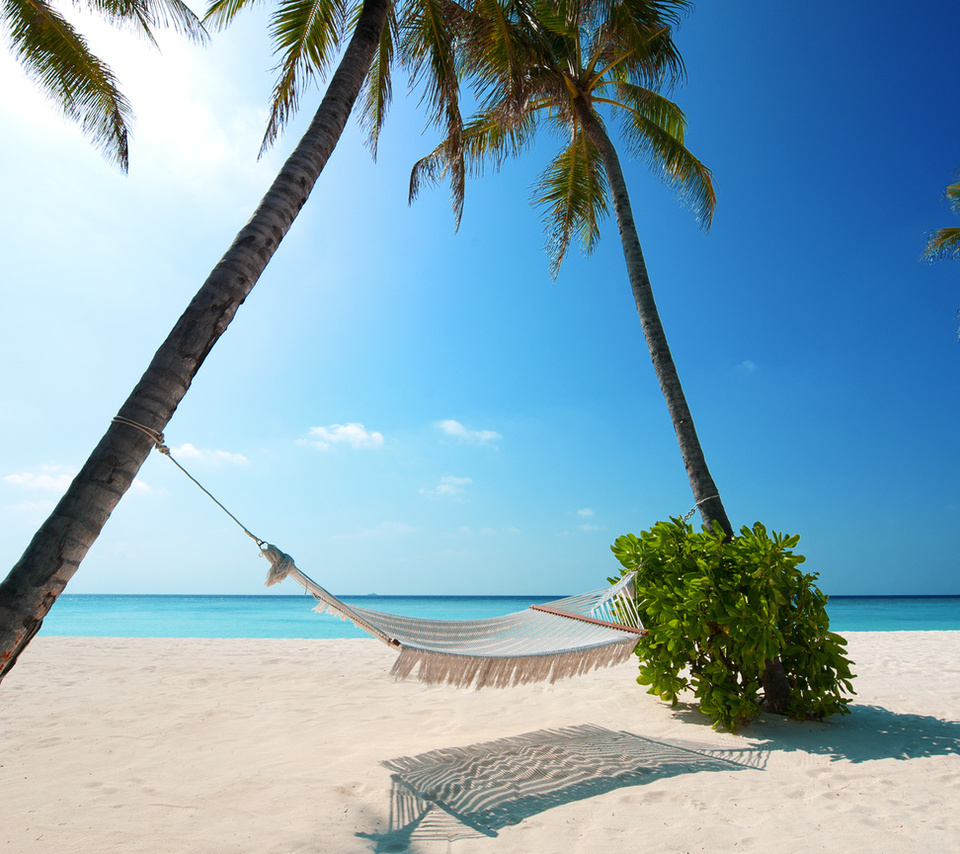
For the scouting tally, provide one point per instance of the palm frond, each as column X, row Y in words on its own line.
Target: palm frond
column 148, row 15
column 572, row 191
column 654, row 128
column 378, row 89
column 952, row 195
column 57, row 58
column 489, row 138
column 429, row 170
column 220, row 13
column 642, row 32
column 942, row 244
column 492, row 56
column 430, row 53
column 306, row 34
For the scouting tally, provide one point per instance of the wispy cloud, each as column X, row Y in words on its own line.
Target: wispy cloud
column 52, row 479
column 448, row 487
column 41, row 508
column 191, row 452
column 587, row 513
column 353, row 434
column 474, row 437
column 387, row 529
column 48, row 478
column 467, row 531
column 747, row 367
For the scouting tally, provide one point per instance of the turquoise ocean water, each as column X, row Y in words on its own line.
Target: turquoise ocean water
column 97, row 615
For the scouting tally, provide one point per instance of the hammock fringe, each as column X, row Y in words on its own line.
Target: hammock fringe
column 464, row 671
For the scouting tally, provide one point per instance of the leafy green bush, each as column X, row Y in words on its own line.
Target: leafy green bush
column 717, row 611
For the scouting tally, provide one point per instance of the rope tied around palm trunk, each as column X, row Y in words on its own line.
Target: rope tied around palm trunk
column 696, row 507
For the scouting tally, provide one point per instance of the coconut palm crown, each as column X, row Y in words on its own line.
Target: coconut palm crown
column 557, row 64
column 570, row 65
column 57, row 57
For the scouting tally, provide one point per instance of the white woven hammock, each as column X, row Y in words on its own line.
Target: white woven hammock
column 567, row 637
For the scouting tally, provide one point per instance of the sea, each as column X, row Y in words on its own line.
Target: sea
column 142, row 616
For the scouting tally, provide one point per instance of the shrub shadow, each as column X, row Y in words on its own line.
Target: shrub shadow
column 867, row 734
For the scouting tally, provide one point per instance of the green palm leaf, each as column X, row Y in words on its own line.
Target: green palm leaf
column 378, row 88
column 654, row 129
column 148, row 15
column 952, row 195
column 306, row 34
column 572, row 192
column 57, row 58
column 942, row 244
column 430, row 57
column 221, row 13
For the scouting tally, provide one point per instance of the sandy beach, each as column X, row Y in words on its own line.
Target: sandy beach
column 296, row 746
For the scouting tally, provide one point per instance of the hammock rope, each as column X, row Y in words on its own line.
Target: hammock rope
column 567, row 637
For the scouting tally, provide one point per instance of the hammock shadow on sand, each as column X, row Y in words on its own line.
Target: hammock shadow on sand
column 485, row 787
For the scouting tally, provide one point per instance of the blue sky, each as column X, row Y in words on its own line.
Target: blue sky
column 406, row 409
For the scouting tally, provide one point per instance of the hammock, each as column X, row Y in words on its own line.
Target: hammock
column 567, row 637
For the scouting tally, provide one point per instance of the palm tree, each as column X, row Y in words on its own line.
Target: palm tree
column 537, row 62
column 558, row 62
column 59, row 60
column 307, row 35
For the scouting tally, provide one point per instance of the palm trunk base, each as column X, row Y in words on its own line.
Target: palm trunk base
column 777, row 692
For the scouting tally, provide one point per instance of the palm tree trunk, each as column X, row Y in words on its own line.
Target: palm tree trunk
column 55, row 552
column 704, row 489
column 776, row 686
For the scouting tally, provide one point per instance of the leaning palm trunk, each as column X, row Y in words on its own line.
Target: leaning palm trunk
column 704, row 489
column 776, row 687
column 61, row 543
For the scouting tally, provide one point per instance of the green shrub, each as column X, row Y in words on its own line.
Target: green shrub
column 718, row 610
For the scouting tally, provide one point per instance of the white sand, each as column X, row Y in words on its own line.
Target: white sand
column 125, row 745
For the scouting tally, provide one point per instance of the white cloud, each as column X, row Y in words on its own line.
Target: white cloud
column 590, row 528
column 49, row 479
column 458, row 431
column 585, row 511
column 43, row 507
column 388, row 529
column 191, row 452
column 53, row 479
column 747, row 367
column 353, row 434
column 448, row 487
column 467, row 531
